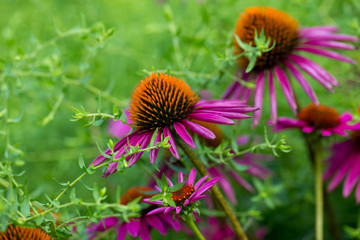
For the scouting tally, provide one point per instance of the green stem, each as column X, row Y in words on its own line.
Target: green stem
column 215, row 190
column 194, row 228
column 319, row 204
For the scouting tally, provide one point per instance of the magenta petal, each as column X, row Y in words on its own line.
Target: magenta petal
column 121, row 232
column 258, row 97
column 329, row 44
column 178, row 210
column 158, row 210
column 212, row 118
column 174, row 223
column 144, row 231
column 191, row 177
column 155, row 222
column 284, row 123
column 202, row 131
column 172, row 148
column 168, row 209
column 272, row 94
column 180, row 129
column 143, row 144
column 329, row 28
column 200, row 182
column 154, row 152
column 325, row 35
column 241, row 181
column 206, row 186
column 197, row 198
column 302, row 81
column 314, row 70
column 326, row 53
column 357, row 194
column 285, row 85
column 229, row 91
column 353, row 175
column 180, row 177
column 133, row 227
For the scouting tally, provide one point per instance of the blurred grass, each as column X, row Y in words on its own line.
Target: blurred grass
column 142, row 40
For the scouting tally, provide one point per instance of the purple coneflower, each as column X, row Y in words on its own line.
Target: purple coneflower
column 188, row 194
column 325, row 119
column 165, row 103
column 139, row 226
column 290, row 42
column 345, row 163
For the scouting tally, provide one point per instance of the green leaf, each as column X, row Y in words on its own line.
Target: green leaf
column 176, row 187
column 81, row 162
column 152, row 141
column 95, row 193
column 157, row 197
column 102, row 152
column 25, row 204
column 239, row 167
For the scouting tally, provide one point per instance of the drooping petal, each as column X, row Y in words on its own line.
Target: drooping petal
column 326, row 35
column 314, row 70
column 121, row 232
column 285, row 85
column 180, row 129
column 353, row 176
column 285, row 123
column 144, row 231
column 326, row 53
column 144, row 143
column 133, row 227
column 241, row 181
column 302, row 81
column 155, row 222
column 154, row 152
column 172, row 148
column 329, row 44
column 202, row 131
column 174, row 223
column 328, row 28
column 272, row 94
column 258, row 97
column 158, row 210
column 230, row 90
column 212, row 118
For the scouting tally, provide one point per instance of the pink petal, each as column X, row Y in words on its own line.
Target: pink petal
column 326, row 53
column 172, row 148
column 272, row 93
column 258, row 97
column 180, row 129
column 285, row 85
column 202, row 131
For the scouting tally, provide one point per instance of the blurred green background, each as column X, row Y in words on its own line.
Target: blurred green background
column 55, row 55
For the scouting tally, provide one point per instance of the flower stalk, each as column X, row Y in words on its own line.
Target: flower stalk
column 319, row 203
column 194, row 228
column 215, row 190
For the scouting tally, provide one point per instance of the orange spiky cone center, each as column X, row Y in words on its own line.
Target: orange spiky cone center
column 277, row 25
column 182, row 194
column 160, row 100
column 320, row 116
column 22, row 233
column 135, row 192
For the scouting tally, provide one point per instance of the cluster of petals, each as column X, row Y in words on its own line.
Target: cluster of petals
column 344, row 164
column 310, row 40
column 213, row 111
column 340, row 129
column 200, row 187
column 136, row 227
